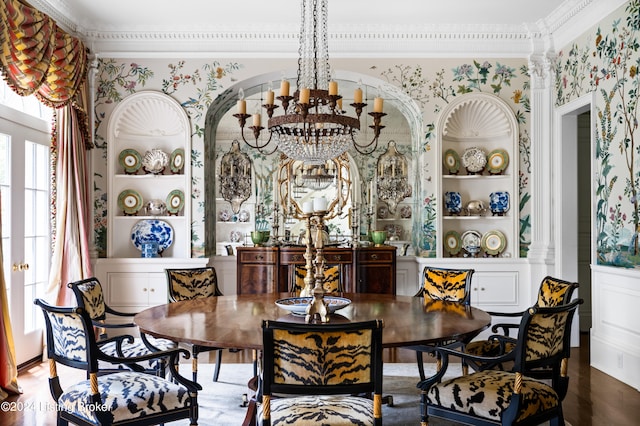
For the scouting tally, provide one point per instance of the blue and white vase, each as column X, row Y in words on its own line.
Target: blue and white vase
column 149, row 249
column 453, row 202
column 499, row 203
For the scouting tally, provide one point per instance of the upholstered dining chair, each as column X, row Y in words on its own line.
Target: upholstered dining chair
column 497, row 397
column 443, row 284
column 90, row 297
column 323, row 373
column 195, row 283
column 552, row 292
column 332, row 282
column 126, row 397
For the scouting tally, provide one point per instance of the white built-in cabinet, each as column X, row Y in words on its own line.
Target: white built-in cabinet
column 139, row 124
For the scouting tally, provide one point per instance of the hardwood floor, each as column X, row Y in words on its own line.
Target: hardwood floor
column 594, row 398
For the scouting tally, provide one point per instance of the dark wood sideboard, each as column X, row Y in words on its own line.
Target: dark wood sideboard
column 271, row 269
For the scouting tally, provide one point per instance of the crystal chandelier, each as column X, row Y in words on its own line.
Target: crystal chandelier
column 313, row 127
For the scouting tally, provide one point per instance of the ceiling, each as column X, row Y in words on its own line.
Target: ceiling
column 398, row 27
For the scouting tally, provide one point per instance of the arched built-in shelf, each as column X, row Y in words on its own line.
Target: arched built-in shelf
column 484, row 122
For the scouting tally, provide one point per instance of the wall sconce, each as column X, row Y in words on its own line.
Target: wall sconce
column 392, row 177
column 235, row 177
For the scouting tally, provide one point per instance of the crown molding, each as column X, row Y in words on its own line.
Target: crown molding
column 456, row 41
column 570, row 19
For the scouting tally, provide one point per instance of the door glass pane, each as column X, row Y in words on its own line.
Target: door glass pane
column 36, row 241
column 5, row 175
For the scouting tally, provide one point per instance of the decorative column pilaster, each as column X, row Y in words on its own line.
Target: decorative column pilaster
column 91, row 76
column 541, row 70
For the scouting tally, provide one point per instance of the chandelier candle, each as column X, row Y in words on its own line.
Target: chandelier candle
column 313, row 128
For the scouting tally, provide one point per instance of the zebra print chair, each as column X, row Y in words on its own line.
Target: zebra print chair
column 442, row 284
column 90, row 297
column 195, row 283
column 321, row 368
column 127, row 397
column 552, row 292
column 332, row 282
column 496, row 397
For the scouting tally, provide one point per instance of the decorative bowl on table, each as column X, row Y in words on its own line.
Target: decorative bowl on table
column 378, row 237
column 298, row 305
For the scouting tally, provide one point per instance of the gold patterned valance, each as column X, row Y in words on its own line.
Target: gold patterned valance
column 37, row 57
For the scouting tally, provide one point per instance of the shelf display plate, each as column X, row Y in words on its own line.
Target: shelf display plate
column 452, row 243
column 474, row 159
column 497, row 161
column 130, row 202
column 451, row 161
column 175, row 201
column 405, row 212
column 493, row 242
column 471, row 241
column 176, row 162
column 244, row 216
column 130, row 160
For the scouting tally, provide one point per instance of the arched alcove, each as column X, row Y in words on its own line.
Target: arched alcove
column 483, row 126
column 403, row 123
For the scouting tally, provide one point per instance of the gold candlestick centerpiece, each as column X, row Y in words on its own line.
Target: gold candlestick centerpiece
column 307, row 291
column 317, row 309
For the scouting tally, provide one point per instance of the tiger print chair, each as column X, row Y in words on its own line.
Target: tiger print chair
column 552, row 292
column 195, row 283
column 443, row 284
column 321, row 368
column 90, row 297
column 127, row 397
column 332, row 282
column 496, row 397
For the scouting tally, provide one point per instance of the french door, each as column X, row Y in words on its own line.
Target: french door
column 26, row 236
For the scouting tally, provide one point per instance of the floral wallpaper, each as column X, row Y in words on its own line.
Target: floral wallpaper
column 605, row 60
column 431, row 83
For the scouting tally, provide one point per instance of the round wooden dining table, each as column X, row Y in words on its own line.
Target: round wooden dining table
column 236, row 321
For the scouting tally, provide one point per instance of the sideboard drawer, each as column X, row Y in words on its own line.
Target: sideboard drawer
column 262, row 256
column 373, row 255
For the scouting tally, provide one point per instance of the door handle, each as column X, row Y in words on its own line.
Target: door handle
column 20, row 267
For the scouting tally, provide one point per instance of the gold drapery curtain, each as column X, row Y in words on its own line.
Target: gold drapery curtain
column 71, row 259
column 8, row 368
column 38, row 57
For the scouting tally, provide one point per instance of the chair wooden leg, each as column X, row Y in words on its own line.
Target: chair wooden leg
column 194, row 367
column 420, row 364
column 216, row 372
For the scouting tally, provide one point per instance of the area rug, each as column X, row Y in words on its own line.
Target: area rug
column 221, row 403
